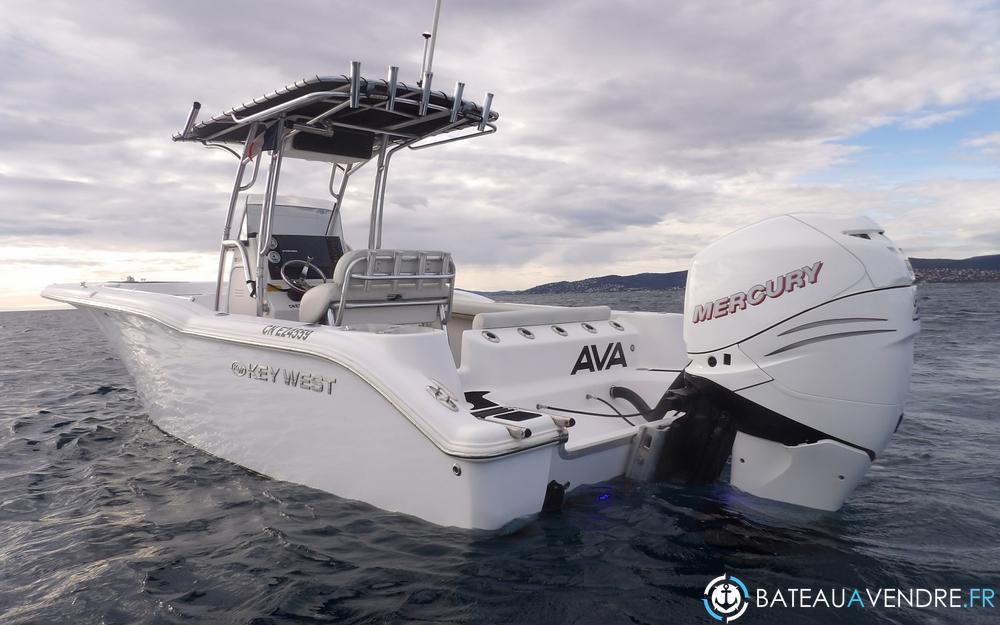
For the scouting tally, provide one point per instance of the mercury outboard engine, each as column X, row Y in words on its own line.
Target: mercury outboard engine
column 800, row 332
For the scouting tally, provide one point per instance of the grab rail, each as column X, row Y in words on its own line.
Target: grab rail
column 227, row 245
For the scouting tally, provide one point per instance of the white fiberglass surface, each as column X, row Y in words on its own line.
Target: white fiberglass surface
column 196, row 290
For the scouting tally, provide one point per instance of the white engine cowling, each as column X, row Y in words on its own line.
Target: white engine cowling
column 801, row 329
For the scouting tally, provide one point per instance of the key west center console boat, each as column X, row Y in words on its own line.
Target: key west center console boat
column 360, row 370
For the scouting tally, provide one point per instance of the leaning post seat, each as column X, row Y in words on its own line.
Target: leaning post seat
column 384, row 286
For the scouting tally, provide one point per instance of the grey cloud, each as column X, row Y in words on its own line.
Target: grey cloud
column 57, row 261
column 618, row 116
column 31, row 231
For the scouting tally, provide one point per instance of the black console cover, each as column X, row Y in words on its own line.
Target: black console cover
column 322, row 251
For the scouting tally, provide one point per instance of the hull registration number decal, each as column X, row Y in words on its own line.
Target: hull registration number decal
column 286, row 332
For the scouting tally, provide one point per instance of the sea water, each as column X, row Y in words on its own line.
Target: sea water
column 106, row 519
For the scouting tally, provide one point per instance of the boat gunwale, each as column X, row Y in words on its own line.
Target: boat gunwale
column 432, row 435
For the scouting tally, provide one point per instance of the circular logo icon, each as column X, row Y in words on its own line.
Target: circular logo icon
column 726, row 598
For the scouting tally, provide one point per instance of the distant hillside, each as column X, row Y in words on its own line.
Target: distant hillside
column 984, row 263
column 605, row 284
column 975, row 269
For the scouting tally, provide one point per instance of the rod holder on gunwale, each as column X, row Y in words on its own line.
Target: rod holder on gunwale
column 391, row 85
column 486, row 112
column 355, row 84
column 192, row 116
column 517, row 432
column 563, row 422
column 425, row 97
column 457, row 104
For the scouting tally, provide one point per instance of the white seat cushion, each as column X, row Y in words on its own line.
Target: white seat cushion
column 317, row 300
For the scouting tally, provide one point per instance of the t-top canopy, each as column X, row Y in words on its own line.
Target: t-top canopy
column 344, row 115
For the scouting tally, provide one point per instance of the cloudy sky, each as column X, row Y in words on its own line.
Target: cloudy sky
column 631, row 133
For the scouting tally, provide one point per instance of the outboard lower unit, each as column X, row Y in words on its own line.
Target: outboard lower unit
column 800, row 332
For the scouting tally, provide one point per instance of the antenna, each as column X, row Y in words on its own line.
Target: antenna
column 430, row 38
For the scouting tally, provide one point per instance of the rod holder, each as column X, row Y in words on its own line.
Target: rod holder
column 355, row 84
column 563, row 422
column 517, row 432
column 457, row 104
column 486, row 112
column 391, row 86
column 425, row 97
column 192, row 116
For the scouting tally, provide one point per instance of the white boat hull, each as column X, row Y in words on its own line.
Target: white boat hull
column 306, row 419
column 305, row 411
column 470, row 426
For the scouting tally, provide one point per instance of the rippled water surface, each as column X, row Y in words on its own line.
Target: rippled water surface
column 106, row 519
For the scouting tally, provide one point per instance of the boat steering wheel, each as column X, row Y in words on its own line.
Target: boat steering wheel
column 299, row 284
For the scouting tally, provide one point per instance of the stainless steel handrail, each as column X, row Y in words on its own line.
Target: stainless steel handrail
column 219, row 146
column 339, row 313
column 245, row 260
column 264, row 229
column 253, row 177
column 403, row 302
column 492, row 129
column 328, row 112
column 238, row 186
column 244, row 257
column 281, row 108
column 405, row 276
column 339, row 194
column 377, row 131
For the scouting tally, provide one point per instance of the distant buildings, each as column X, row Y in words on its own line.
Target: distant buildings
column 938, row 274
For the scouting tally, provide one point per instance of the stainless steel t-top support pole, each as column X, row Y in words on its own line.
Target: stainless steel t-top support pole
column 264, row 229
column 375, row 226
column 237, row 187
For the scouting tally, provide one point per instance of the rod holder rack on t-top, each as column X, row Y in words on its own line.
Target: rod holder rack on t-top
column 323, row 105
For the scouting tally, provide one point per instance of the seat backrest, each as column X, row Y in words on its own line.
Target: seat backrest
column 385, row 286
